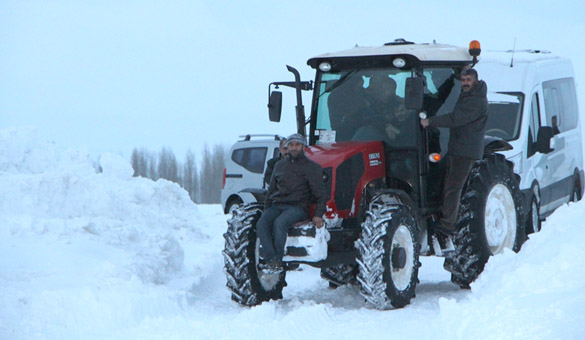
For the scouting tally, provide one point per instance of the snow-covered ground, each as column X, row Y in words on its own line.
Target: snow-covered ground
column 86, row 255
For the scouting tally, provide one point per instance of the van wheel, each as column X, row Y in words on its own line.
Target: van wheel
column 490, row 219
column 533, row 222
column 576, row 194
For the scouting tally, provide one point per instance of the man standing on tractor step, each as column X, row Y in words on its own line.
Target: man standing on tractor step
column 467, row 126
column 296, row 183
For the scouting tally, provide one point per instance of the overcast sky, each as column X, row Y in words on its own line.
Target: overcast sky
column 114, row 75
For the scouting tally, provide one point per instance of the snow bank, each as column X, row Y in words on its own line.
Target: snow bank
column 46, row 191
column 538, row 293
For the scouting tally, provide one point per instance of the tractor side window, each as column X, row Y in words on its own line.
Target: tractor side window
column 252, row 159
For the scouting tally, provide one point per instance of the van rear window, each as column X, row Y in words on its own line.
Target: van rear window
column 560, row 104
column 252, row 159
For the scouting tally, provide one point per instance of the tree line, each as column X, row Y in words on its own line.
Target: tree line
column 203, row 186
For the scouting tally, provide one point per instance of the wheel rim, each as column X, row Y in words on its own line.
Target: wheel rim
column 534, row 216
column 267, row 281
column 401, row 258
column 500, row 219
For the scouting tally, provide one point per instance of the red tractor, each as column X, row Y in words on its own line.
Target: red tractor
column 385, row 178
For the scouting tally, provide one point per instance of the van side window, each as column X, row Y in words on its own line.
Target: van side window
column 560, row 101
column 275, row 153
column 251, row 159
column 551, row 105
column 569, row 100
column 534, row 125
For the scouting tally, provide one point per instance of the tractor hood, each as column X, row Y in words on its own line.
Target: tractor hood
column 348, row 167
column 332, row 155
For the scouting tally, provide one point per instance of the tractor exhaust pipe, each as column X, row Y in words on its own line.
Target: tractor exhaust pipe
column 300, row 109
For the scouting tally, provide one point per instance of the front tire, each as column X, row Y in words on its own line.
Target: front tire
column 232, row 205
column 576, row 193
column 388, row 255
column 533, row 222
column 340, row 275
column 490, row 219
column 248, row 285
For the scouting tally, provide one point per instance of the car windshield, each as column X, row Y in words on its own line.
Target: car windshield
column 368, row 104
column 504, row 115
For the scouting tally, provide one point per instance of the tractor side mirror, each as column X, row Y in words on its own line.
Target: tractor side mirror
column 275, row 106
column 544, row 138
column 413, row 95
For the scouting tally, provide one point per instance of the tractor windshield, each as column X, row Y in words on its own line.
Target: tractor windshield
column 368, row 104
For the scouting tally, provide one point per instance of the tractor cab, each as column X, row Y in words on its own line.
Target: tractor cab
column 368, row 94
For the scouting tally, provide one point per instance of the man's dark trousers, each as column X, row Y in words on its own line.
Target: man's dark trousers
column 272, row 228
column 457, row 172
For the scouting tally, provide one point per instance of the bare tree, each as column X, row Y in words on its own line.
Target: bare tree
column 203, row 186
column 190, row 177
column 212, row 173
column 140, row 162
column 152, row 166
column 167, row 165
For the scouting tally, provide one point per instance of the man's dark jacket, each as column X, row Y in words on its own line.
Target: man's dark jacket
column 467, row 122
column 270, row 168
column 297, row 182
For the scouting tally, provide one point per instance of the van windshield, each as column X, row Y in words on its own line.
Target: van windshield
column 504, row 115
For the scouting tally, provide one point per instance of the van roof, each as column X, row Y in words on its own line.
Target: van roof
column 529, row 68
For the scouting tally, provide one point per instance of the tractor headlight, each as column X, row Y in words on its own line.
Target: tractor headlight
column 325, row 67
column 399, row 62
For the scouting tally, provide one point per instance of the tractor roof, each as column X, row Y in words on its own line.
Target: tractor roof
column 432, row 52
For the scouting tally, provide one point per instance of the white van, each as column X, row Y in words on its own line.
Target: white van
column 533, row 106
column 245, row 168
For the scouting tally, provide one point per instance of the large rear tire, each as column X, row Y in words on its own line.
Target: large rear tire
column 248, row 285
column 388, row 254
column 490, row 219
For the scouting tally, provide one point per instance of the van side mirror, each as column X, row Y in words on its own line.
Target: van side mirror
column 543, row 140
column 275, row 106
column 413, row 95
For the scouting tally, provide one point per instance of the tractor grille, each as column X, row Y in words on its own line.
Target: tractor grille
column 348, row 175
